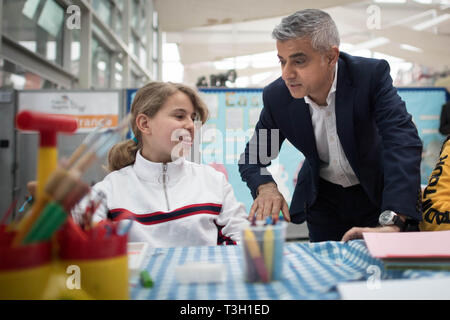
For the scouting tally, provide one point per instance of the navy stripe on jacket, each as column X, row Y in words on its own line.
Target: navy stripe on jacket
column 160, row 216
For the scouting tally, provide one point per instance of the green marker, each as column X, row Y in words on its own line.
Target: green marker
column 51, row 219
column 146, row 280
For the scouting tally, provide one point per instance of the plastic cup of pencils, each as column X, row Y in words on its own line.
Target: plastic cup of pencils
column 101, row 256
column 262, row 247
column 25, row 269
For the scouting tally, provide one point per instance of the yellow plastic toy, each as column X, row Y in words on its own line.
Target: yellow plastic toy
column 24, row 270
column 101, row 260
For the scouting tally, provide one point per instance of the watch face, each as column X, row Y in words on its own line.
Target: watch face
column 386, row 218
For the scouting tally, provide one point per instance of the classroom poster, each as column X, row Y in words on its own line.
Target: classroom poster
column 425, row 105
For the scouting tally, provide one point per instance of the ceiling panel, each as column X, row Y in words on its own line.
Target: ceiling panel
column 210, row 30
column 176, row 15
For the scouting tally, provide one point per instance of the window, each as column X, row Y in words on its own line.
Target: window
column 155, row 68
column 103, row 9
column 136, row 46
column 155, row 20
column 137, row 81
column 36, row 25
column 143, row 57
column 134, row 14
column 101, row 61
column 75, row 52
column 16, row 77
column 51, row 18
column 143, row 23
column 118, row 24
column 155, row 44
column 118, row 79
column 119, row 4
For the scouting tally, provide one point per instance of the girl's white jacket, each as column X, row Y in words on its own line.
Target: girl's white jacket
column 180, row 203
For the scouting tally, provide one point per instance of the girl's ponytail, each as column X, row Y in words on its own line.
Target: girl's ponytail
column 122, row 154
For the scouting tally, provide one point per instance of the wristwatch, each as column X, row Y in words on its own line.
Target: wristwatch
column 389, row 218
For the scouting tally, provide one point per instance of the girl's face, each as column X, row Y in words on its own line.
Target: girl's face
column 170, row 133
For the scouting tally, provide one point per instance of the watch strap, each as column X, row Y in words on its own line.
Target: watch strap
column 399, row 223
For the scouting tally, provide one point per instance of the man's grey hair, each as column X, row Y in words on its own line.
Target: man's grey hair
column 314, row 24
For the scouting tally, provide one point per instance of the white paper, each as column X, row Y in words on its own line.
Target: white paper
column 200, row 272
column 136, row 254
column 402, row 289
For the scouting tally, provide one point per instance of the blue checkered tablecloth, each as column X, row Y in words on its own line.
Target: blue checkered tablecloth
column 310, row 271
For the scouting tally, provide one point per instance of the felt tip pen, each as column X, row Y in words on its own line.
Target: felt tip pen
column 26, row 204
column 255, row 253
column 268, row 249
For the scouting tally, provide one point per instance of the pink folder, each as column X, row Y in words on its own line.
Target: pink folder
column 431, row 244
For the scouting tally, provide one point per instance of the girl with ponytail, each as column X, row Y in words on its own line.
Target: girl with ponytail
column 172, row 201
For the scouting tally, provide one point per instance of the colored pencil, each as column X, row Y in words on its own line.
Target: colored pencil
column 268, row 249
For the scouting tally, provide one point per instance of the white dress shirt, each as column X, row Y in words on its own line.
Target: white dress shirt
column 334, row 167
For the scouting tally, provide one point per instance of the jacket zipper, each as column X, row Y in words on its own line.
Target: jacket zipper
column 164, row 185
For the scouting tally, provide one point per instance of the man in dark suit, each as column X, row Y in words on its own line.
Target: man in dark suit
column 362, row 151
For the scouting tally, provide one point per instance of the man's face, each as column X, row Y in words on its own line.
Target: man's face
column 306, row 71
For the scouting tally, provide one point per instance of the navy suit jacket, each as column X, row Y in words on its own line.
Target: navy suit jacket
column 376, row 132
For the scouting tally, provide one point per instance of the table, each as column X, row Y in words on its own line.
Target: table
column 310, row 271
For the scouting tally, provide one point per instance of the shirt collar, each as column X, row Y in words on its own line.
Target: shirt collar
column 330, row 93
column 153, row 171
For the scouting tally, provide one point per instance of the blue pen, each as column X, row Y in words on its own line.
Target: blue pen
column 124, row 226
column 27, row 202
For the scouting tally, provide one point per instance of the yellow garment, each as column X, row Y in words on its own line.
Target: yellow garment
column 436, row 196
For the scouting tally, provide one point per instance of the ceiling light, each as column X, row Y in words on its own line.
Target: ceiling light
column 371, row 43
column 410, row 48
column 390, row 1
column 432, row 22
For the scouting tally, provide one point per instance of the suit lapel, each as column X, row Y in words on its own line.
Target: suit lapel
column 345, row 95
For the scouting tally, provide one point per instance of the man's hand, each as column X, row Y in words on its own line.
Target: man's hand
column 269, row 202
column 357, row 232
column 31, row 187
